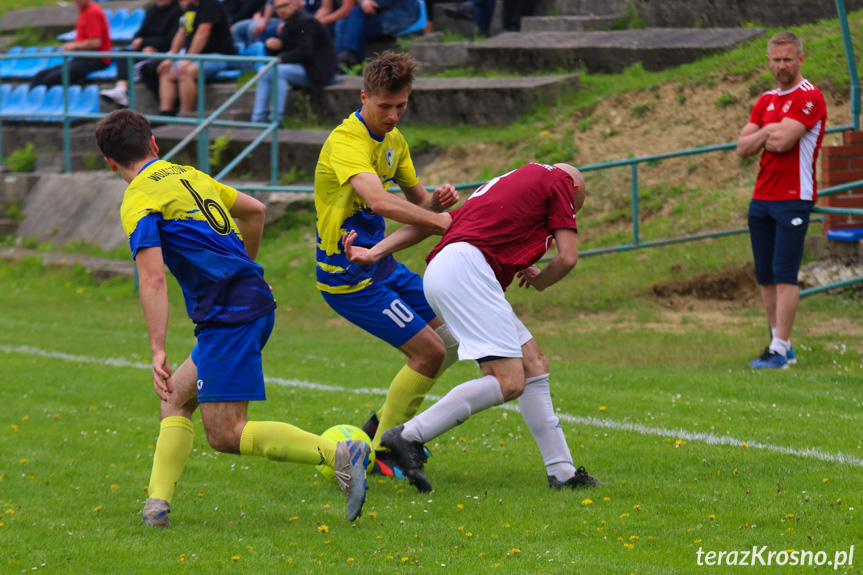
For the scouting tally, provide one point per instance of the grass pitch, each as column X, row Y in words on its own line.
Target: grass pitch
column 697, row 451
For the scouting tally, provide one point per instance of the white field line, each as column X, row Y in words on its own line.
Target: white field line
column 709, row 438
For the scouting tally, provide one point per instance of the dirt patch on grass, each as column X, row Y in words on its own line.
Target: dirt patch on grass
column 727, row 289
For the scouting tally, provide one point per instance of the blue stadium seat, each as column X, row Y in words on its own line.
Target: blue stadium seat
column 16, row 101
column 13, row 67
column 32, row 66
column 5, row 90
column 420, row 23
column 35, row 97
column 87, row 102
column 109, row 73
column 52, row 104
column 55, row 60
column 126, row 30
column 117, row 20
column 6, row 64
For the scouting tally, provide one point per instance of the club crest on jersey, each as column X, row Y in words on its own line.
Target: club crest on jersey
column 786, row 107
column 391, row 158
column 808, row 106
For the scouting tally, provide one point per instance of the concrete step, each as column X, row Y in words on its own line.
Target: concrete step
column 452, row 101
column 567, row 23
column 298, row 149
column 585, row 7
column 609, row 51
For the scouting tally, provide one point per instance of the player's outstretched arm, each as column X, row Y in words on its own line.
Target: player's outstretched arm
column 439, row 200
column 390, row 206
column 249, row 214
column 402, row 238
column 558, row 267
column 154, row 301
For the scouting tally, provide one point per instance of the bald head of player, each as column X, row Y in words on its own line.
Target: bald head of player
column 578, row 190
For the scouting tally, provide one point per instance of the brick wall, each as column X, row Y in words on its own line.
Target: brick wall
column 840, row 165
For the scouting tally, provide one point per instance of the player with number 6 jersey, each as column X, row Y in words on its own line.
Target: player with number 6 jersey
column 208, row 235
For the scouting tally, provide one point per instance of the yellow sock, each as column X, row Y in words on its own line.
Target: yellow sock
column 284, row 442
column 404, row 397
column 172, row 451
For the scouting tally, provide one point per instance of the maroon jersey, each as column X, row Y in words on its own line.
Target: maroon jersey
column 510, row 218
column 791, row 175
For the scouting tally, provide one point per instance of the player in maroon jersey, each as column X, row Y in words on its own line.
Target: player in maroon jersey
column 500, row 232
column 786, row 126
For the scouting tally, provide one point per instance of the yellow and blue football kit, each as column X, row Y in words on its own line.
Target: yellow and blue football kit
column 186, row 213
column 386, row 298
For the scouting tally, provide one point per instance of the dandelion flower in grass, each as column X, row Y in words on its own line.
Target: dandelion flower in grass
column 606, row 498
column 544, row 133
column 744, row 445
column 326, row 505
column 636, row 507
column 80, row 290
column 350, row 559
column 514, row 551
column 94, row 509
column 23, row 461
column 586, row 502
column 697, row 541
column 629, row 545
column 624, row 515
column 459, row 506
column 602, row 408
column 404, row 559
column 633, row 537
column 114, row 487
column 469, row 534
column 294, row 518
column 373, row 514
column 14, row 427
column 711, row 517
column 789, row 516
column 235, row 558
column 323, row 529
column 825, row 480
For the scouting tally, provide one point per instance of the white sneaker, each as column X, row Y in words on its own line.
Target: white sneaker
column 118, row 95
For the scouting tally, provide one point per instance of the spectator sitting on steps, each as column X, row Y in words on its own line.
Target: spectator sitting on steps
column 155, row 35
column 91, row 34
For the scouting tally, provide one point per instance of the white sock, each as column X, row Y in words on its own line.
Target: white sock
column 455, row 408
column 538, row 413
column 772, row 332
column 451, row 346
column 780, row 346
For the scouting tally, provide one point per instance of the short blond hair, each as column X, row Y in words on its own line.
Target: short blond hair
column 785, row 38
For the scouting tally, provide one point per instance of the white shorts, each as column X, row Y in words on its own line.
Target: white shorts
column 463, row 291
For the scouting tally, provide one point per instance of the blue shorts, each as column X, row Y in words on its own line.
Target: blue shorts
column 777, row 230
column 393, row 310
column 229, row 361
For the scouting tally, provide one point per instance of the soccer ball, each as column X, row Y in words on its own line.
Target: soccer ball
column 343, row 433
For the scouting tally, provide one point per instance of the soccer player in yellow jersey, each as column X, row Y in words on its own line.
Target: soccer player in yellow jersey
column 360, row 161
column 208, row 235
